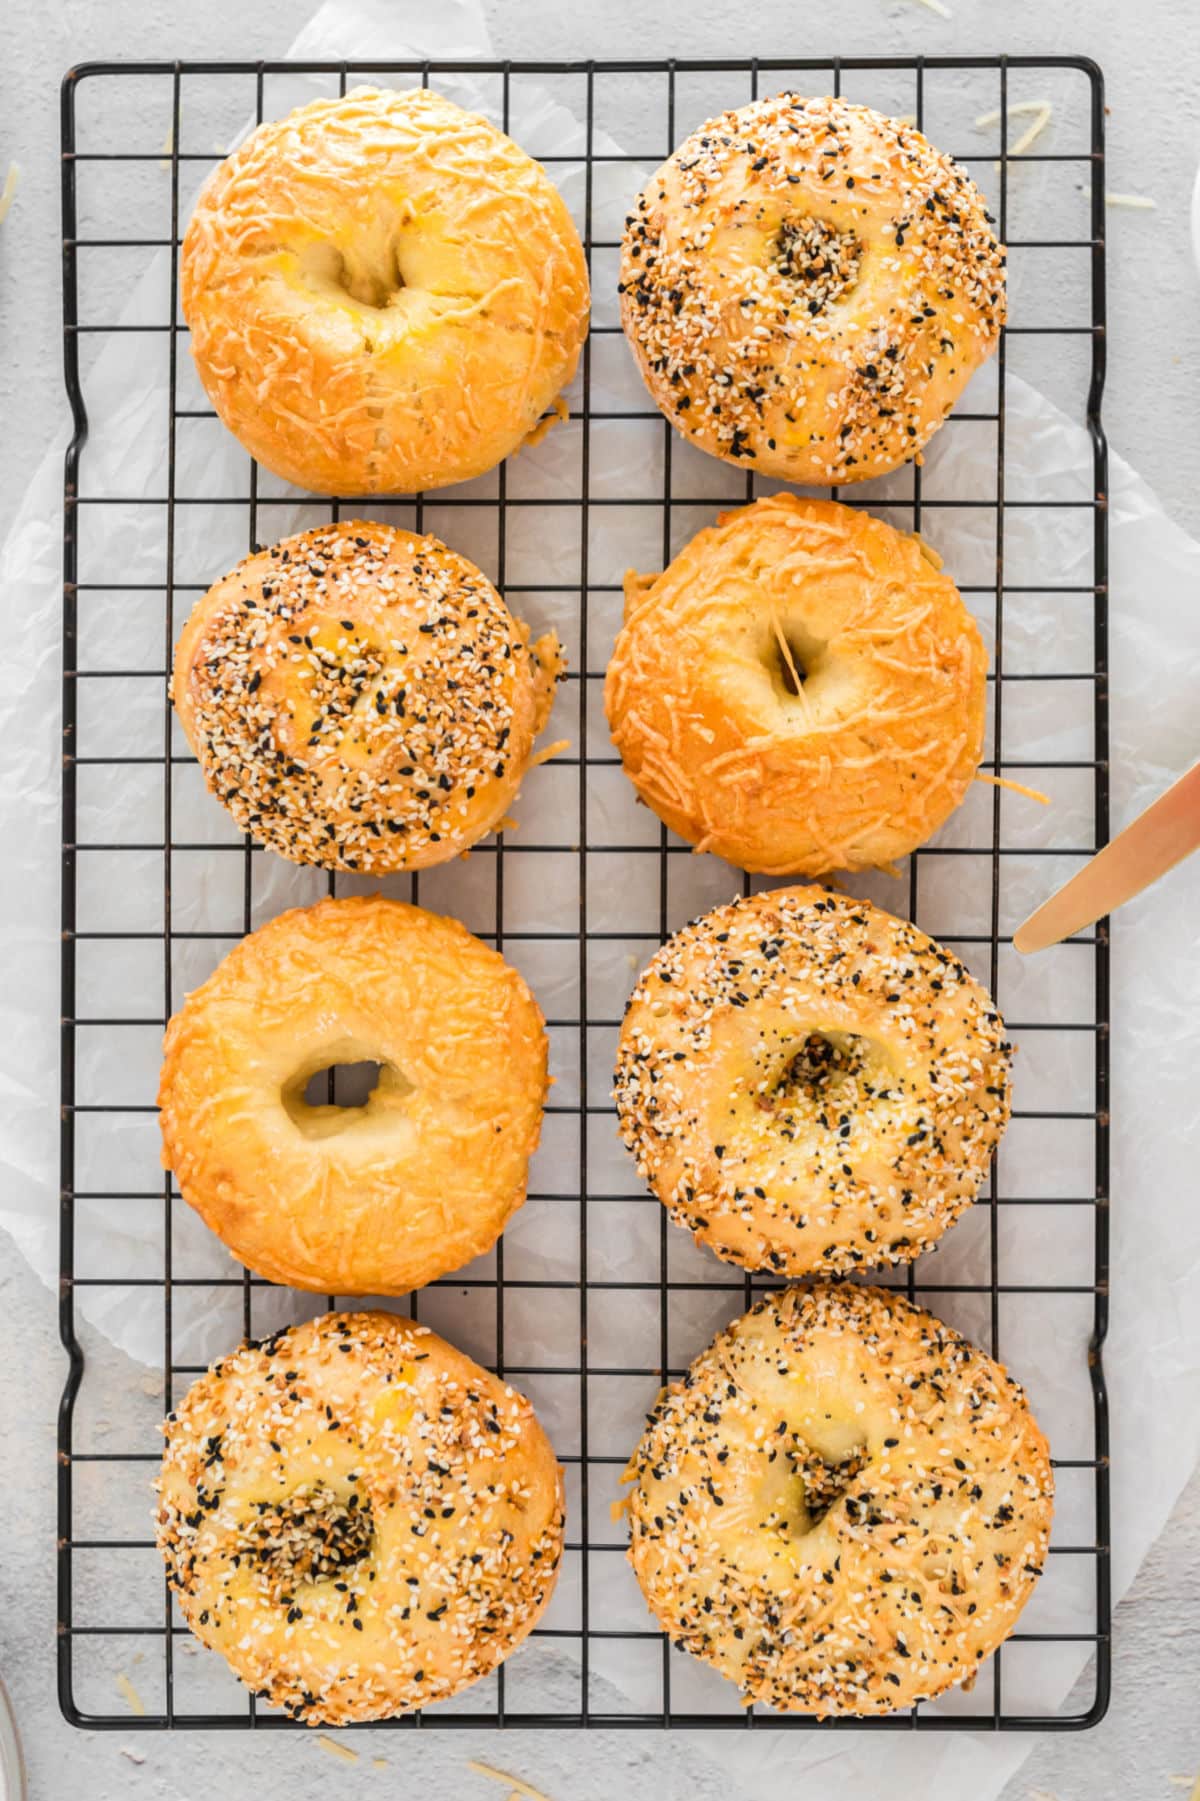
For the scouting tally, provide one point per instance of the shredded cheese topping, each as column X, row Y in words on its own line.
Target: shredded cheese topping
column 799, row 689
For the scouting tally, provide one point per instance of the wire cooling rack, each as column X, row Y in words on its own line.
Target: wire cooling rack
column 591, row 1297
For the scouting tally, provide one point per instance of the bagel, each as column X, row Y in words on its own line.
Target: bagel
column 800, row 690
column 379, row 1198
column 808, row 287
column 361, row 698
column 843, row 1507
column 358, row 1517
column 809, row 1084
column 384, row 293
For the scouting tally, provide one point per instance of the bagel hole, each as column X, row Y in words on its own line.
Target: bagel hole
column 825, row 1480
column 334, row 1092
column 792, row 671
column 372, row 285
column 801, row 1483
column 343, row 1084
column 311, row 1535
column 792, row 658
column 824, row 1062
column 821, row 260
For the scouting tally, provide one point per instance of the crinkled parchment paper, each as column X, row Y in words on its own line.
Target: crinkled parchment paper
column 1153, row 1351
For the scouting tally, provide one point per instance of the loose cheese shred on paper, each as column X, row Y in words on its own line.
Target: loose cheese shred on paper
column 1042, row 110
column 938, row 7
column 335, row 1750
column 129, row 1694
column 1141, row 203
column 514, row 1783
column 550, row 750
column 1003, row 781
column 559, row 413
column 8, row 192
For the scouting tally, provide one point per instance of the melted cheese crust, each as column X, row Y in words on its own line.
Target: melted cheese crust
column 800, row 690
column 385, row 1197
column 384, row 293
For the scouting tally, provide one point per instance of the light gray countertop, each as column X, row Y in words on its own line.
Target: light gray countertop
column 1151, row 55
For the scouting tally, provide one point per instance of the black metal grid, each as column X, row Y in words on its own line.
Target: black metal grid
column 595, row 1552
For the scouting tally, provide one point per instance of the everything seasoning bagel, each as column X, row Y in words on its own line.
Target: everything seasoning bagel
column 808, row 286
column 843, row 1506
column 810, row 1084
column 358, row 1517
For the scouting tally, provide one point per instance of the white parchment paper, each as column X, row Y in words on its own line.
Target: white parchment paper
column 1154, row 1347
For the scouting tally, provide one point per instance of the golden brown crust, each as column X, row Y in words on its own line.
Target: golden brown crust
column 808, row 287
column 843, row 1506
column 358, row 1517
column 374, row 1200
column 384, row 293
column 809, row 1084
column 801, row 690
column 360, row 697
